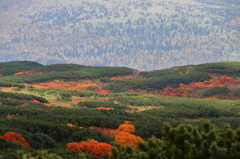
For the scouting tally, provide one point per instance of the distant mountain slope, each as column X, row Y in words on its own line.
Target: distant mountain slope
column 144, row 35
column 234, row 2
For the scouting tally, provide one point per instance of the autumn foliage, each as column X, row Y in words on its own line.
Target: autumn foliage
column 106, row 108
column 124, row 135
column 22, row 105
column 106, row 131
column 122, row 77
column 101, row 90
column 186, row 90
column 9, row 88
column 73, row 85
column 14, row 137
column 32, row 72
column 92, row 147
column 48, row 104
column 70, row 125
column 35, row 101
column 13, row 115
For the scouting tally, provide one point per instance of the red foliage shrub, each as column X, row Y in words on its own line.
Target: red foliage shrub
column 101, row 90
column 14, row 137
column 186, row 90
column 35, row 101
column 92, row 147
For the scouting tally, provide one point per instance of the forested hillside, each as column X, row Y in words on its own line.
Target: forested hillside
column 144, row 35
column 70, row 111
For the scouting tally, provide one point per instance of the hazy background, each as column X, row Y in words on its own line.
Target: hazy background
column 140, row 34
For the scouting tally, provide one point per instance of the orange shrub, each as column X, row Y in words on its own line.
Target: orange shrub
column 126, row 128
column 69, row 124
column 124, row 136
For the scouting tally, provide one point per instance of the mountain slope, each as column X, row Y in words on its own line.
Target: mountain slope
column 144, row 35
column 55, row 110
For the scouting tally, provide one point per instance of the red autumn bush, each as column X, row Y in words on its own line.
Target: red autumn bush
column 14, row 137
column 92, row 147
